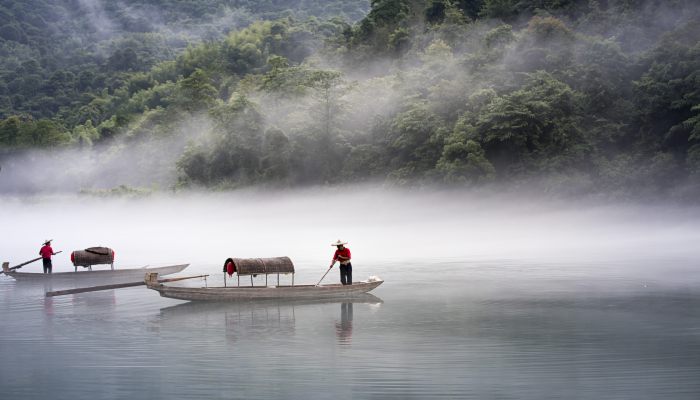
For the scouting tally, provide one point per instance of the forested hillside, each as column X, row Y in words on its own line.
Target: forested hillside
column 573, row 96
column 55, row 56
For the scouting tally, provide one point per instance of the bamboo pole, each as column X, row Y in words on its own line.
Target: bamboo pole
column 114, row 286
column 18, row 266
column 324, row 275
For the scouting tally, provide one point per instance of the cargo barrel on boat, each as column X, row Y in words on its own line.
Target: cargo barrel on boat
column 92, row 256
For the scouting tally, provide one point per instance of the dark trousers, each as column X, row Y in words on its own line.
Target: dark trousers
column 47, row 265
column 346, row 274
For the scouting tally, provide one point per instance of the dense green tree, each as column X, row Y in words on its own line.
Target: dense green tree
column 465, row 161
column 10, row 131
column 415, row 140
column 194, row 92
column 533, row 129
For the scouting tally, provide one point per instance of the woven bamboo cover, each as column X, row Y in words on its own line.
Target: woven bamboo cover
column 255, row 266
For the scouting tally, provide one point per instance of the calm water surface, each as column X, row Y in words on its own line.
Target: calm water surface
column 456, row 328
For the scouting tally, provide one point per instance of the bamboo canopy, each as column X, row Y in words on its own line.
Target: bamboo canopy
column 259, row 266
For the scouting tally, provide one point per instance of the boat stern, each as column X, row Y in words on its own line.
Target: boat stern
column 151, row 280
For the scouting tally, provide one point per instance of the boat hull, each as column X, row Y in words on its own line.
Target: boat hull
column 109, row 275
column 265, row 292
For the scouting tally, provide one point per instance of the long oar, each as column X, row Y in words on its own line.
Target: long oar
column 18, row 266
column 324, row 275
column 114, row 286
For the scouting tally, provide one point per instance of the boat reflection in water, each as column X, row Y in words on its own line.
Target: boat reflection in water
column 264, row 319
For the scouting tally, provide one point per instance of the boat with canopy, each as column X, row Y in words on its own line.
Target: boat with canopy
column 275, row 266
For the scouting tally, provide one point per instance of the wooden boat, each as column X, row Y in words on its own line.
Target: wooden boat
column 106, row 275
column 260, row 266
column 237, row 293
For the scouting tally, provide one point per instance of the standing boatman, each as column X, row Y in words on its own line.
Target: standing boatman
column 46, row 252
column 342, row 255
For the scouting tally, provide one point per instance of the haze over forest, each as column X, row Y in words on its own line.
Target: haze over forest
column 563, row 96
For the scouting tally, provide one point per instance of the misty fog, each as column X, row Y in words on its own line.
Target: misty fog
column 385, row 230
column 142, row 162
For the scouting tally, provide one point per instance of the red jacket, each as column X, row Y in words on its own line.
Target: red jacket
column 345, row 253
column 46, row 251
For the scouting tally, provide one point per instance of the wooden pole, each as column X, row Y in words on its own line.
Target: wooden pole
column 114, row 286
column 93, row 289
column 18, row 266
column 324, row 275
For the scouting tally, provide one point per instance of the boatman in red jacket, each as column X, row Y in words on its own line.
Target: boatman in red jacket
column 46, row 252
column 342, row 255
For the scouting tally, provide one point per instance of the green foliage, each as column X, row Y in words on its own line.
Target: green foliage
column 436, row 11
column 55, row 57
column 16, row 131
column 470, row 8
column 510, row 9
column 667, row 94
column 503, row 9
column 386, row 22
column 85, row 134
column 194, row 92
column 464, row 160
column 499, row 36
column 415, row 140
column 534, row 129
column 461, row 92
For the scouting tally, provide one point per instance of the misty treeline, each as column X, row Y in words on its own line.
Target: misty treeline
column 576, row 95
column 56, row 56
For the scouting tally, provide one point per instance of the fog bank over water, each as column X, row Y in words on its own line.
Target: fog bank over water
column 382, row 226
column 485, row 296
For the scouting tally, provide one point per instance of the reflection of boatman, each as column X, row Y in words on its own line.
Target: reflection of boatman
column 46, row 252
column 344, row 328
column 342, row 255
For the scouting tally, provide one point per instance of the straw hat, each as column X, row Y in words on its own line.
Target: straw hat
column 47, row 241
column 338, row 243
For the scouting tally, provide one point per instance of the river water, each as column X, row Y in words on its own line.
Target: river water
column 473, row 306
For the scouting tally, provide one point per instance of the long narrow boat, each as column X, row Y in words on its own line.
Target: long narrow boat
column 106, row 275
column 236, row 293
column 260, row 266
